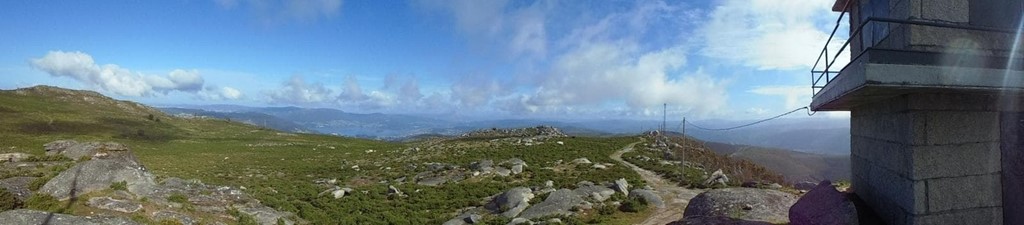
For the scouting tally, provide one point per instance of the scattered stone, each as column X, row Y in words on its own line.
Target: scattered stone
column 18, row 186
column 266, row 215
column 433, row 181
column 805, row 185
column 599, row 166
column 392, row 190
column 774, row 186
column 474, row 219
column 517, row 169
column 584, row 183
column 718, row 177
column 725, row 206
column 554, row 221
column 622, row 186
column 518, row 221
column 14, row 157
column 29, row 216
column 108, row 203
column 163, row 215
column 560, row 142
column 502, row 171
column 581, row 161
column 559, row 202
column 549, row 183
column 648, row 196
column 823, row 205
column 513, row 201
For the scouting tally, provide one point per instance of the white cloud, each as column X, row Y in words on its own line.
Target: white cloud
column 230, row 93
column 795, row 96
column 769, row 34
column 272, row 12
column 476, row 91
column 81, row 67
column 223, row 93
column 520, row 29
column 297, row 91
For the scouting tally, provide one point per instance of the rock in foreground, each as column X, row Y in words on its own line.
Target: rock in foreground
column 28, row 216
column 823, row 205
column 739, row 206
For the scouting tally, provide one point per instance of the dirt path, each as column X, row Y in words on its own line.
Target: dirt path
column 675, row 197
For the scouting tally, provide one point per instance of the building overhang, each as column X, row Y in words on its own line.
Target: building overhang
column 904, row 72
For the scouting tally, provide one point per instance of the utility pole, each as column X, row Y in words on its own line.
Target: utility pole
column 684, row 128
column 664, row 116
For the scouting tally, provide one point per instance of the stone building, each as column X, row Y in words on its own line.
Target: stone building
column 934, row 89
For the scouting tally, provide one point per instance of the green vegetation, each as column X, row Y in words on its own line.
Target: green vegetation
column 279, row 168
column 633, row 205
column 119, row 186
column 8, row 201
column 46, row 203
column 699, row 163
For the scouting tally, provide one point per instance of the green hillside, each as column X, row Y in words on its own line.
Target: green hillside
column 281, row 168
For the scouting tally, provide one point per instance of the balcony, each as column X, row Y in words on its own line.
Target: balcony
column 890, row 57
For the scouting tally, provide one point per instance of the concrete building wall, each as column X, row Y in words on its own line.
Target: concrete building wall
column 929, row 158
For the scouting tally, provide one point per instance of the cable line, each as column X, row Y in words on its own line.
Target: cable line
column 749, row 124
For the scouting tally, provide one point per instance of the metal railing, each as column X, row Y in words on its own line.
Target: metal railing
column 827, row 73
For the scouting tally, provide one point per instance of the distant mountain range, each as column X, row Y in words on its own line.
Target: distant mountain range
column 815, row 135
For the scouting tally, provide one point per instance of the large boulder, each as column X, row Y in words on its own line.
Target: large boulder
column 622, row 186
column 823, row 205
column 559, row 202
column 106, row 167
column 648, row 196
column 739, row 206
column 482, row 165
column 29, row 216
column 18, row 186
column 597, row 193
column 513, row 202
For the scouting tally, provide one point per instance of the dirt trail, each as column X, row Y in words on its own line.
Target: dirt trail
column 675, row 197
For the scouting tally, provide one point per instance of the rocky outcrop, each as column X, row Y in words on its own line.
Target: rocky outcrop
column 18, row 186
column 559, row 202
column 112, row 204
column 739, row 206
column 110, row 164
column 181, row 218
column 648, row 196
column 76, row 150
column 28, row 216
column 594, row 192
column 823, row 205
column 622, row 186
column 113, row 163
column 513, row 202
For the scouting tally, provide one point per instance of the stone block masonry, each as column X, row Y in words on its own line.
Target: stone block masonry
column 920, row 163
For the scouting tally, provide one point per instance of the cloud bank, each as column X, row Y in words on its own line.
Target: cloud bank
column 122, row 81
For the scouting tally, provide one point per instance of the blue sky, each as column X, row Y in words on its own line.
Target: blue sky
column 721, row 59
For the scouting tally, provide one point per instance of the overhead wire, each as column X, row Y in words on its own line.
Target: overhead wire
column 750, row 124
